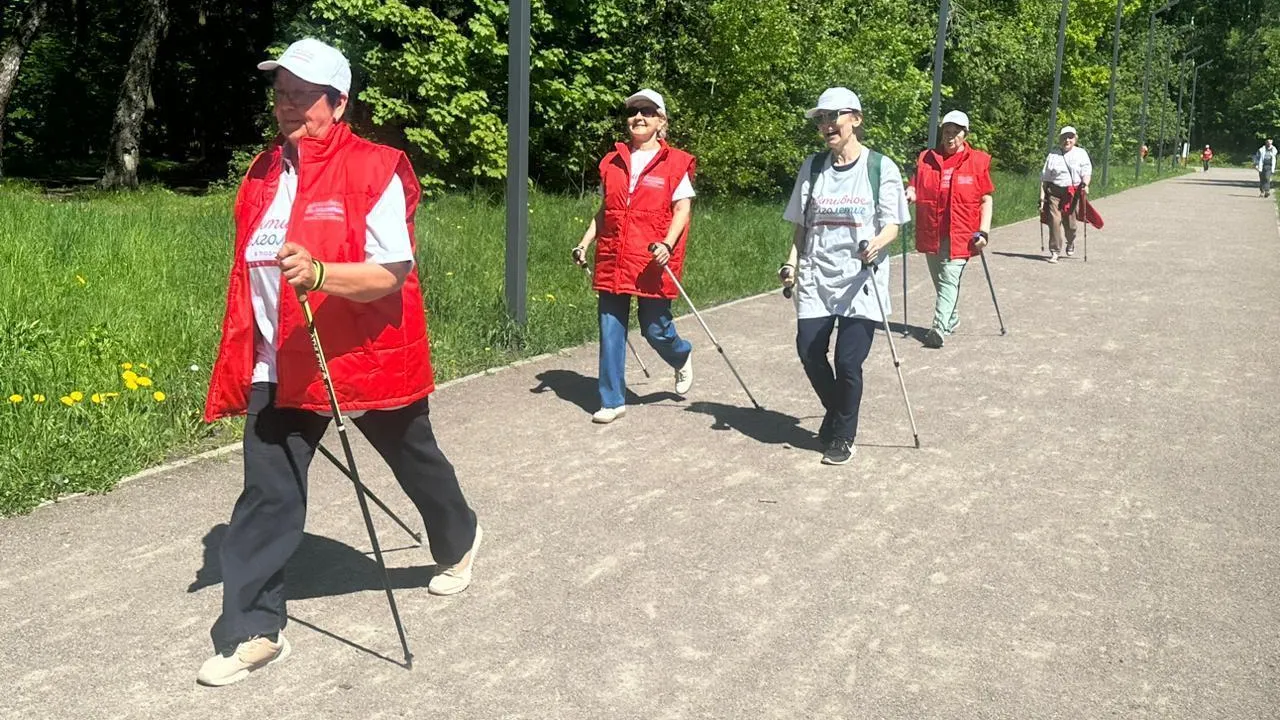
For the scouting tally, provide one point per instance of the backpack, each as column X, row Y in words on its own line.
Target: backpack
column 818, row 162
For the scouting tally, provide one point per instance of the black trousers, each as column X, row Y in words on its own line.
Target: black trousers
column 267, row 522
column 839, row 388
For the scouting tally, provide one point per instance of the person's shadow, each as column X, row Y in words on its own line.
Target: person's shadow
column 584, row 392
column 321, row 567
column 1041, row 257
column 766, row 426
column 915, row 332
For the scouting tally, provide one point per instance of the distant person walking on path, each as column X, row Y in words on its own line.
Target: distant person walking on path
column 842, row 196
column 1206, row 157
column 1064, row 179
column 648, row 197
column 1264, row 161
column 325, row 212
column 952, row 189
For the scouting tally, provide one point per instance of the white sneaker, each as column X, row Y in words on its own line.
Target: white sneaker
column 684, row 376
column 1053, row 257
column 456, row 578
column 605, row 416
column 250, row 655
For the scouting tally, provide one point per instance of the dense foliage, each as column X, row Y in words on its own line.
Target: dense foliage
column 431, row 77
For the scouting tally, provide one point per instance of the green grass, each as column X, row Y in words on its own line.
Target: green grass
column 93, row 281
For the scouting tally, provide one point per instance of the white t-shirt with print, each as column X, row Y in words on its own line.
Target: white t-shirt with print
column 830, row 279
column 640, row 159
column 386, row 242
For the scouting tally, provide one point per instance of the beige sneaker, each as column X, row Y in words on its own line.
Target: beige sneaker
column 252, row 654
column 455, row 578
column 605, row 416
column 684, row 377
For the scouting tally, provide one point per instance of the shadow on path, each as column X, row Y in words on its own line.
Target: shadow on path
column 320, row 567
column 1022, row 256
column 765, row 426
column 572, row 386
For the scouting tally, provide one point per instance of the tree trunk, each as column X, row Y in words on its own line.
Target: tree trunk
column 126, row 129
column 11, row 61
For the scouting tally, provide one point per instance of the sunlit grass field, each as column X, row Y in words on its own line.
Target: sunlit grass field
column 110, row 308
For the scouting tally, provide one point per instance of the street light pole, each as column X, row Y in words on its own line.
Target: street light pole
column 1111, row 97
column 1057, row 75
column 517, row 255
column 1191, row 119
column 1182, row 65
column 1146, row 85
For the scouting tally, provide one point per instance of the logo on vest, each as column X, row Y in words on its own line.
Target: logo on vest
column 653, row 182
column 325, row 211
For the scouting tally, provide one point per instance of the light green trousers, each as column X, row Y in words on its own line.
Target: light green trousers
column 946, row 275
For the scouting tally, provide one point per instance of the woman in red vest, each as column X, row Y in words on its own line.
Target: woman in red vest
column 327, row 213
column 952, row 190
column 1206, row 157
column 641, row 226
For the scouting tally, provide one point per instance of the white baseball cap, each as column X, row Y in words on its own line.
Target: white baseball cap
column 652, row 96
column 955, row 117
column 1067, row 130
column 836, row 98
column 316, row 63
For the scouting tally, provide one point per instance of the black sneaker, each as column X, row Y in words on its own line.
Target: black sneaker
column 839, row 452
column 933, row 339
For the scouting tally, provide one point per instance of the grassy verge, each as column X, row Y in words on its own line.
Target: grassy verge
column 107, row 300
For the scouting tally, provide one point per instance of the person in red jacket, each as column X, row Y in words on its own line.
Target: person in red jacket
column 1206, row 157
column 642, row 225
column 327, row 213
column 952, row 190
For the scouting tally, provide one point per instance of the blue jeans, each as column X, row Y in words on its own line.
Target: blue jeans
column 655, row 322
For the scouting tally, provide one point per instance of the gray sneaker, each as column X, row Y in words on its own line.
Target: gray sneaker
column 251, row 655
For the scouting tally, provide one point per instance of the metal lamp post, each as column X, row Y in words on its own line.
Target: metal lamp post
column 1057, row 75
column 1111, row 96
column 517, row 256
column 1146, row 85
column 1191, row 119
column 1177, row 122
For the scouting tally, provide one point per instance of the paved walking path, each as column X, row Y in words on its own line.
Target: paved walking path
column 1090, row 529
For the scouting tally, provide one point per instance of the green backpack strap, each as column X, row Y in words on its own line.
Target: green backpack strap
column 818, row 162
column 874, row 160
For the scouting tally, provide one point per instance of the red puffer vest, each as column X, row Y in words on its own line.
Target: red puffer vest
column 378, row 352
column 635, row 220
column 957, row 211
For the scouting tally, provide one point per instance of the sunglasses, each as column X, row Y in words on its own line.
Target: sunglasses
column 648, row 111
column 826, row 117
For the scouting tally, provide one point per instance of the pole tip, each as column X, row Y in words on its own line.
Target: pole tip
column 917, row 442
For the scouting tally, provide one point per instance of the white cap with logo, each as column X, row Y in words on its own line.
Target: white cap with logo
column 1067, row 130
column 955, row 117
column 315, row 62
column 836, row 98
column 652, row 96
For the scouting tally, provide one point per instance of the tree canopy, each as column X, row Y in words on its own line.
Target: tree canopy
column 430, row 77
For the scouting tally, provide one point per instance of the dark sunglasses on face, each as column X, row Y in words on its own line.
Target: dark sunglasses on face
column 648, row 111
column 829, row 116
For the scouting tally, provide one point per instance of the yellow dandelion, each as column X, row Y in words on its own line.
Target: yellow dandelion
column 80, row 279
column 126, row 366
column 144, row 366
column 131, row 384
column 37, row 398
column 108, row 396
column 159, row 396
column 96, row 398
column 144, row 381
column 129, row 376
column 449, row 274
column 66, row 400
column 77, row 395
column 551, row 298
column 15, row 399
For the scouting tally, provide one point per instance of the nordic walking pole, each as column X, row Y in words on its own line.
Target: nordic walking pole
column 905, row 331
column 983, row 254
column 354, row 474
column 1040, row 222
column 417, row 536
column 577, row 257
column 702, row 322
column 897, row 364
column 1085, row 196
